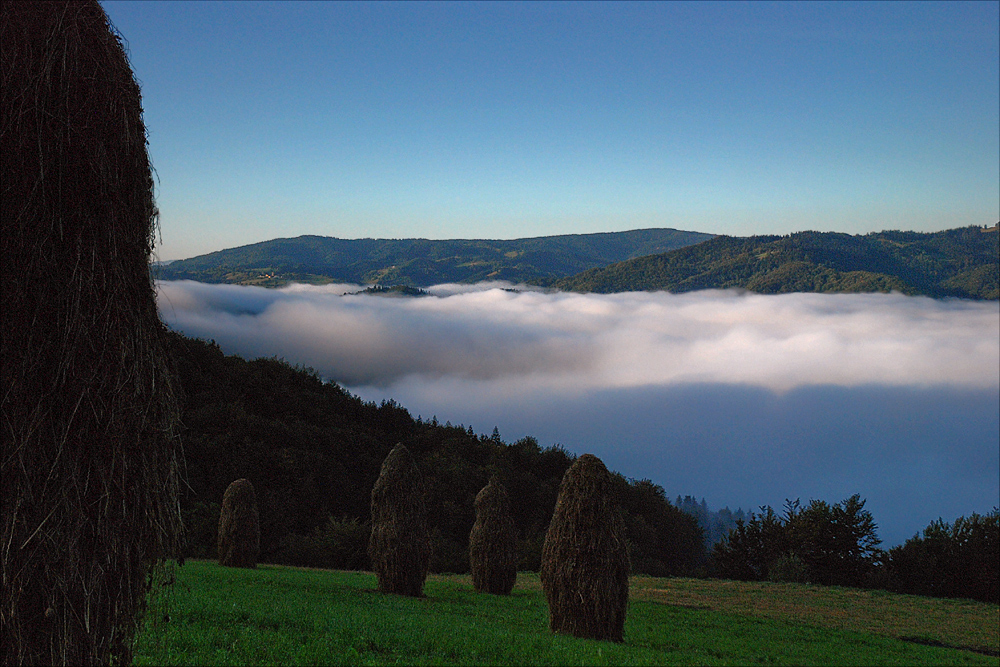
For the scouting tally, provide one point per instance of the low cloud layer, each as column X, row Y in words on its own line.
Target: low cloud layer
column 575, row 342
column 741, row 398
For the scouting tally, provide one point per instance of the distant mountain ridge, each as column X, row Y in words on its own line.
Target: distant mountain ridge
column 423, row 262
column 962, row 262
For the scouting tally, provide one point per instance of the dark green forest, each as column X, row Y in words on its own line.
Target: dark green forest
column 422, row 262
column 837, row 544
column 313, row 452
column 961, row 262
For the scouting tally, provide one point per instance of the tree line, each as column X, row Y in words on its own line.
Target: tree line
column 838, row 544
column 715, row 525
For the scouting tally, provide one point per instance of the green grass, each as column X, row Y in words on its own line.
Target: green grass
column 281, row 615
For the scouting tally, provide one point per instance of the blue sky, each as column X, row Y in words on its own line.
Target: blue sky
column 486, row 120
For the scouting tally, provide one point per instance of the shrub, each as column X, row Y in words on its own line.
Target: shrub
column 90, row 458
column 788, row 568
column 339, row 544
column 585, row 562
column 239, row 526
column 399, row 546
column 493, row 542
column 448, row 555
column 201, row 529
column 530, row 553
column 344, row 543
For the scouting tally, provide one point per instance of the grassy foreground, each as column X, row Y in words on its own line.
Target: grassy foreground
column 296, row 616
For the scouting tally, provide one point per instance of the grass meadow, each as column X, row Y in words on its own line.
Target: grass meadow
column 277, row 615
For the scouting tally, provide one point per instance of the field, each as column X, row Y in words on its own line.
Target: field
column 283, row 615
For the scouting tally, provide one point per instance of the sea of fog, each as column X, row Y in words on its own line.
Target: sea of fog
column 740, row 398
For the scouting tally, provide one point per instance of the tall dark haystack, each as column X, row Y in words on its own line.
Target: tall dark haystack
column 400, row 546
column 584, row 559
column 493, row 542
column 239, row 526
column 89, row 460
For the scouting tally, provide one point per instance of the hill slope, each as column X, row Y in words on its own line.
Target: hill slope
column 422, row 262
column 313, row 452
column 958, row 262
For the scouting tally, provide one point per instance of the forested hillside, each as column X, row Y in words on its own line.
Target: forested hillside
column 959, row 263
column 313, row 452
column 422, row 262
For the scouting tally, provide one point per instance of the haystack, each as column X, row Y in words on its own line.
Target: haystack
column 493, row 542
column 89, row 460
column 584, row 559
column 239, row 526
column 399, row 547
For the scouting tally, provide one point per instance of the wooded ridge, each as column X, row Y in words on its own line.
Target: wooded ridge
column 422, row 262
column 954, row 263
column 959, row 262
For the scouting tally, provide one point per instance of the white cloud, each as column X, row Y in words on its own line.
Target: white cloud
column 575, row 342
column 742, row 398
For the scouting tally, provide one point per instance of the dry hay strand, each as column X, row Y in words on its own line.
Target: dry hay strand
column 399, row 547
column 239, row 526
column 493, row 542
column 90, row 455
column 585, row 562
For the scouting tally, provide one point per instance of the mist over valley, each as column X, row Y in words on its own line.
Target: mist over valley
column 741, row 398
